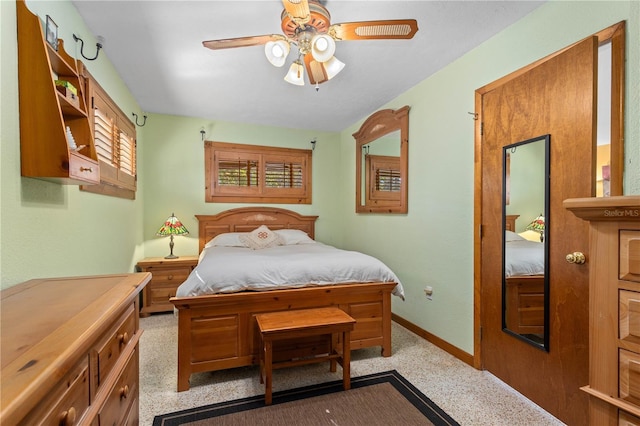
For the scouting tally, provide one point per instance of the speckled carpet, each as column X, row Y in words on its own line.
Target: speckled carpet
column 376, row 399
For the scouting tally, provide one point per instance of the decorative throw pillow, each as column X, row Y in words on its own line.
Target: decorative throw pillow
column 261, row 238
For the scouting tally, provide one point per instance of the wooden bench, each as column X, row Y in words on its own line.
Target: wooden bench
column 275, row 326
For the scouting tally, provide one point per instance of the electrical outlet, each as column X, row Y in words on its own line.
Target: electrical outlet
column 428, row 291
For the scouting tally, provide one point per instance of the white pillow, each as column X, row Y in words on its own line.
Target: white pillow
column 229, row 239
column 512, row 236
column 261, row 238
column 293, row 236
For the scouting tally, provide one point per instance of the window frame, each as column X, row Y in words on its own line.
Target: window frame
column 116, row 179
column 375, row 163
column 218, row 152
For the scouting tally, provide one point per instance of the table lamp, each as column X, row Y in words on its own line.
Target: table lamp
column 172, row 226
column 537, row 225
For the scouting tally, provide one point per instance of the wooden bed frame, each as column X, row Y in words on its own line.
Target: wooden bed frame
column 219, row 331
column 524, row 298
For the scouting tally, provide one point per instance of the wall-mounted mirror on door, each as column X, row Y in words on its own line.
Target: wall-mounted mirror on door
column 525, row 215
column 381, row 162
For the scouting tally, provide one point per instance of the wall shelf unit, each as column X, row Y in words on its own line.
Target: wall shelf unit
column 45, row 112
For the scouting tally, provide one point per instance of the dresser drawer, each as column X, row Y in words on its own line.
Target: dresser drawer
column 629, row 380
column 107, row 353
column 626, row 419
column 629, row 314
column 159, row 294
column 83, row 168
column 630, row 255
column 173, row 275
column 122, row 396
column 66, row 402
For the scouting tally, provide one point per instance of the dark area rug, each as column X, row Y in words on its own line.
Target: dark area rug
column 376, row 399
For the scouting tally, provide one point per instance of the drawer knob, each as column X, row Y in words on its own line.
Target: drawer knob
column 124, row 392
column 123, row 338
column 68, row 418
column 170, row 277
column 576, row 257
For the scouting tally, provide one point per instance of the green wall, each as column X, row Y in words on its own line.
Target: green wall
column 433, row 244
column 49, row 229
column 53, row 230
column 172, row 173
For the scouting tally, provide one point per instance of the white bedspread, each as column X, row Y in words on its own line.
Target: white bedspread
column 524, row 257
column 233, row 269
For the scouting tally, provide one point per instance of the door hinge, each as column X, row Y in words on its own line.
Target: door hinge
column 481, row 129
column 480, row 231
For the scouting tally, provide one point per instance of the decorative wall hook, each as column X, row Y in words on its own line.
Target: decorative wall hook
column 475, row 115
column 202, row 134
column 99, row 45
column 144, row 121
column 313, row 144
column 365, row 149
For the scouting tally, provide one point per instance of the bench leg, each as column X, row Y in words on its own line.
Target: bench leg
column 332, row 349
column 268, row 370
column 346, row 360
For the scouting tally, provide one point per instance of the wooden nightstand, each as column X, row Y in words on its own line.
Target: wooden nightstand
column 166, row 276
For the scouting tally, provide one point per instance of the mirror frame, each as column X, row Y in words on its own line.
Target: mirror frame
column 378, row 124
column 546, row 140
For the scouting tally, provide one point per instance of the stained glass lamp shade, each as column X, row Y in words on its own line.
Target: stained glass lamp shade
column 172, row 226
column 537, row 225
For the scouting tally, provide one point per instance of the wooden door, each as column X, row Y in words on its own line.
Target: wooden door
column 557, row 96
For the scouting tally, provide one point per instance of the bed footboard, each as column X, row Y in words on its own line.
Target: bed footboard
column 216, row 332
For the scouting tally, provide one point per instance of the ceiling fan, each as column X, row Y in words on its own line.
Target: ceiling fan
column 307, row 25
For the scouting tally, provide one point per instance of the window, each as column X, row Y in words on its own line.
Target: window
column 115, row 143
column 384, row 177
column 256, row 174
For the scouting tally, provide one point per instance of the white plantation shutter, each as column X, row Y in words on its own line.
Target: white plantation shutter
column 104, row 130
column 127, row 154
column 115, row 143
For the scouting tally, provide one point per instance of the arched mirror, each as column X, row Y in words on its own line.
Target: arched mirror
column 525, row 214
column 382, row 149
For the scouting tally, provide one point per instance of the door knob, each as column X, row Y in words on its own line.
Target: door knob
column 575, row 257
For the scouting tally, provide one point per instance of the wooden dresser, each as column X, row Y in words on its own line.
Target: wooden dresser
column 614, row 307
column 69, row 350
column 167, row 275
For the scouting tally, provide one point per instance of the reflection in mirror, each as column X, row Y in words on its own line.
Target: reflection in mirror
column 381, row 169
column 603, row 148
column 381, row 162
column 525, row 281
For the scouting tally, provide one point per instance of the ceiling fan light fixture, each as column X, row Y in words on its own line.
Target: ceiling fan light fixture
column 295, row 74
column 323, row 46
column 276, row 52
column 332, row 67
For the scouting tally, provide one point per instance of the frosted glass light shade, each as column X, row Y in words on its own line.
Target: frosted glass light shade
column 322, row 47
column 332, row 67
column 276, row 52
column 295, row 74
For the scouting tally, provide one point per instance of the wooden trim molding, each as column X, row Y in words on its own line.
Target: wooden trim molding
column 463, row 356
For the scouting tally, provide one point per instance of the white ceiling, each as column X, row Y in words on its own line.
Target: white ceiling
column 156, row 46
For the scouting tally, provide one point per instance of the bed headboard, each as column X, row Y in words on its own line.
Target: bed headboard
column 246, row 219
column 510, row 222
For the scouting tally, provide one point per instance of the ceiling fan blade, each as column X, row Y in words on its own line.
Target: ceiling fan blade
column 372, row 30
column 298, row 10
column 241, row 41
column 315, row 70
